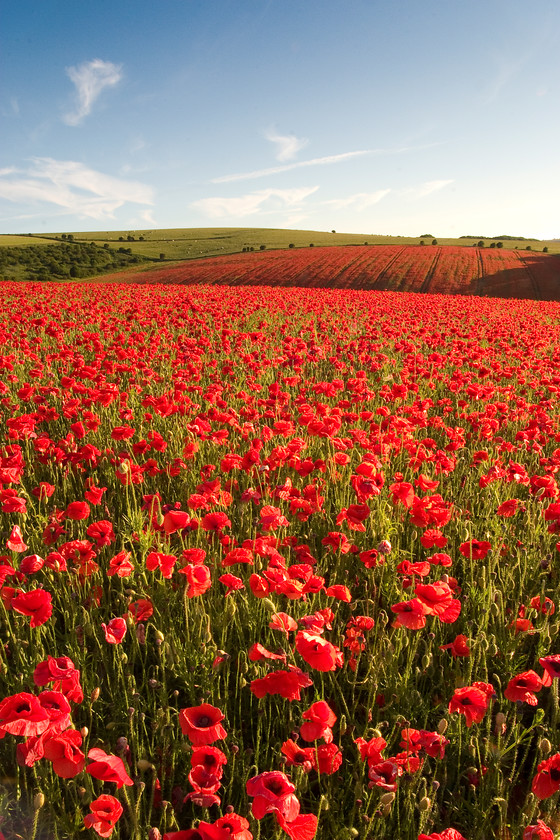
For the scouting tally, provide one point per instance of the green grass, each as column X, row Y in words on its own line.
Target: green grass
column 193, row 243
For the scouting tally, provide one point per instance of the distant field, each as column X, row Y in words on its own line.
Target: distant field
column 436, row 269
column 193, row 243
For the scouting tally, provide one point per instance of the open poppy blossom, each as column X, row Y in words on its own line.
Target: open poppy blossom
column 472, row 701
column 202, row 724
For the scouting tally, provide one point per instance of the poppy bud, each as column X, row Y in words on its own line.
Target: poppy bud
column 545, row 747
column 144, row 765
column 425, row 804
column 386, row 798
column 38, row 801
column 266, row 602
column 442, row 726
column 84, row 731
column 154, row 834
column 159, row 636
column 95, row 694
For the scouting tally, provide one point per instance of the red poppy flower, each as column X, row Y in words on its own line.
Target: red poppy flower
column 272, row 791
column 318, row 652
column 539, row 831
column 258, row 652
column 547, row 778
column 384, row 775
column 77, row 511
column 471, row 701
column 201, row 724
column 410, row 614
column 37, row 603
column 15, row 540
column 141, row 610
column 283, row 622
column 304, row 827
column 318, row 721
column 508, row 508
column 523, row 686
column 115, row 631
column 102, row 532
column 22, row 714
column 475, row 549
column 175, row 520
column 287, row 684
column 199, row 579
column 105, row 813
column 458, row 646
column 447, row 834
column 63, row 750
column 120, row 565
column 107, row 768
column 164, row 562
column 297, row 756
column 433, row 538
column 371, row 750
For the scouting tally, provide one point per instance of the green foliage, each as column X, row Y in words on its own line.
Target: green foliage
column 62, row 260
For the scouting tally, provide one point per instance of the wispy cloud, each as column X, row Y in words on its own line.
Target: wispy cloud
column 288, row 144
column 320, row 161
column 71, row 186
column 426, row 188
column 268, row 200
column 90, row 78
column 357, row 201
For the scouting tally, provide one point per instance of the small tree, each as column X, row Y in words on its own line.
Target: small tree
column 262, row 248
column 499, row 244
column 434, row 241
column 162, row 256
column 291, row 245
column 480, row 243
column 545, row 250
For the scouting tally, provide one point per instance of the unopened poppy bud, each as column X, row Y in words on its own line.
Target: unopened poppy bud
column 38, row 801
column 545, row 747
column 84, row 731
column 426, row 661
column 442, row 726
column 425, row 804
column 324, row 804
column 386, row 798
column 159, row 637
column 141, row 634
column 154, row 834
column 230, row 610
column 268, row 604
column 95, row 694
column 500, row 727
column 144, row 765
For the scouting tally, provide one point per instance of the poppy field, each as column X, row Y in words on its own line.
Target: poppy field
column 433, row 269
column 278, row 562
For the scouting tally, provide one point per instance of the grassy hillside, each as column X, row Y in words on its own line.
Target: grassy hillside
column 193, row 243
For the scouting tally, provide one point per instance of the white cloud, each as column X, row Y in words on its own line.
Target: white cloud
column 70, row 185
column 274, row 170
column 268, row 200
column 426, row 189
column 90, row 78
column 357, row 201
column 288, row 145
column 321, row 161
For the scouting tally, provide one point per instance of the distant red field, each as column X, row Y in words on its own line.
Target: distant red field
column 487, row 272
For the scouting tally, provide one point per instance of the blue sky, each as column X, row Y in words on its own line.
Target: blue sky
column 399, row 117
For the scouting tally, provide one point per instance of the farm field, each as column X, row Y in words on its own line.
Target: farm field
column 490, row 272
column 278, row 562
column 195, row 243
